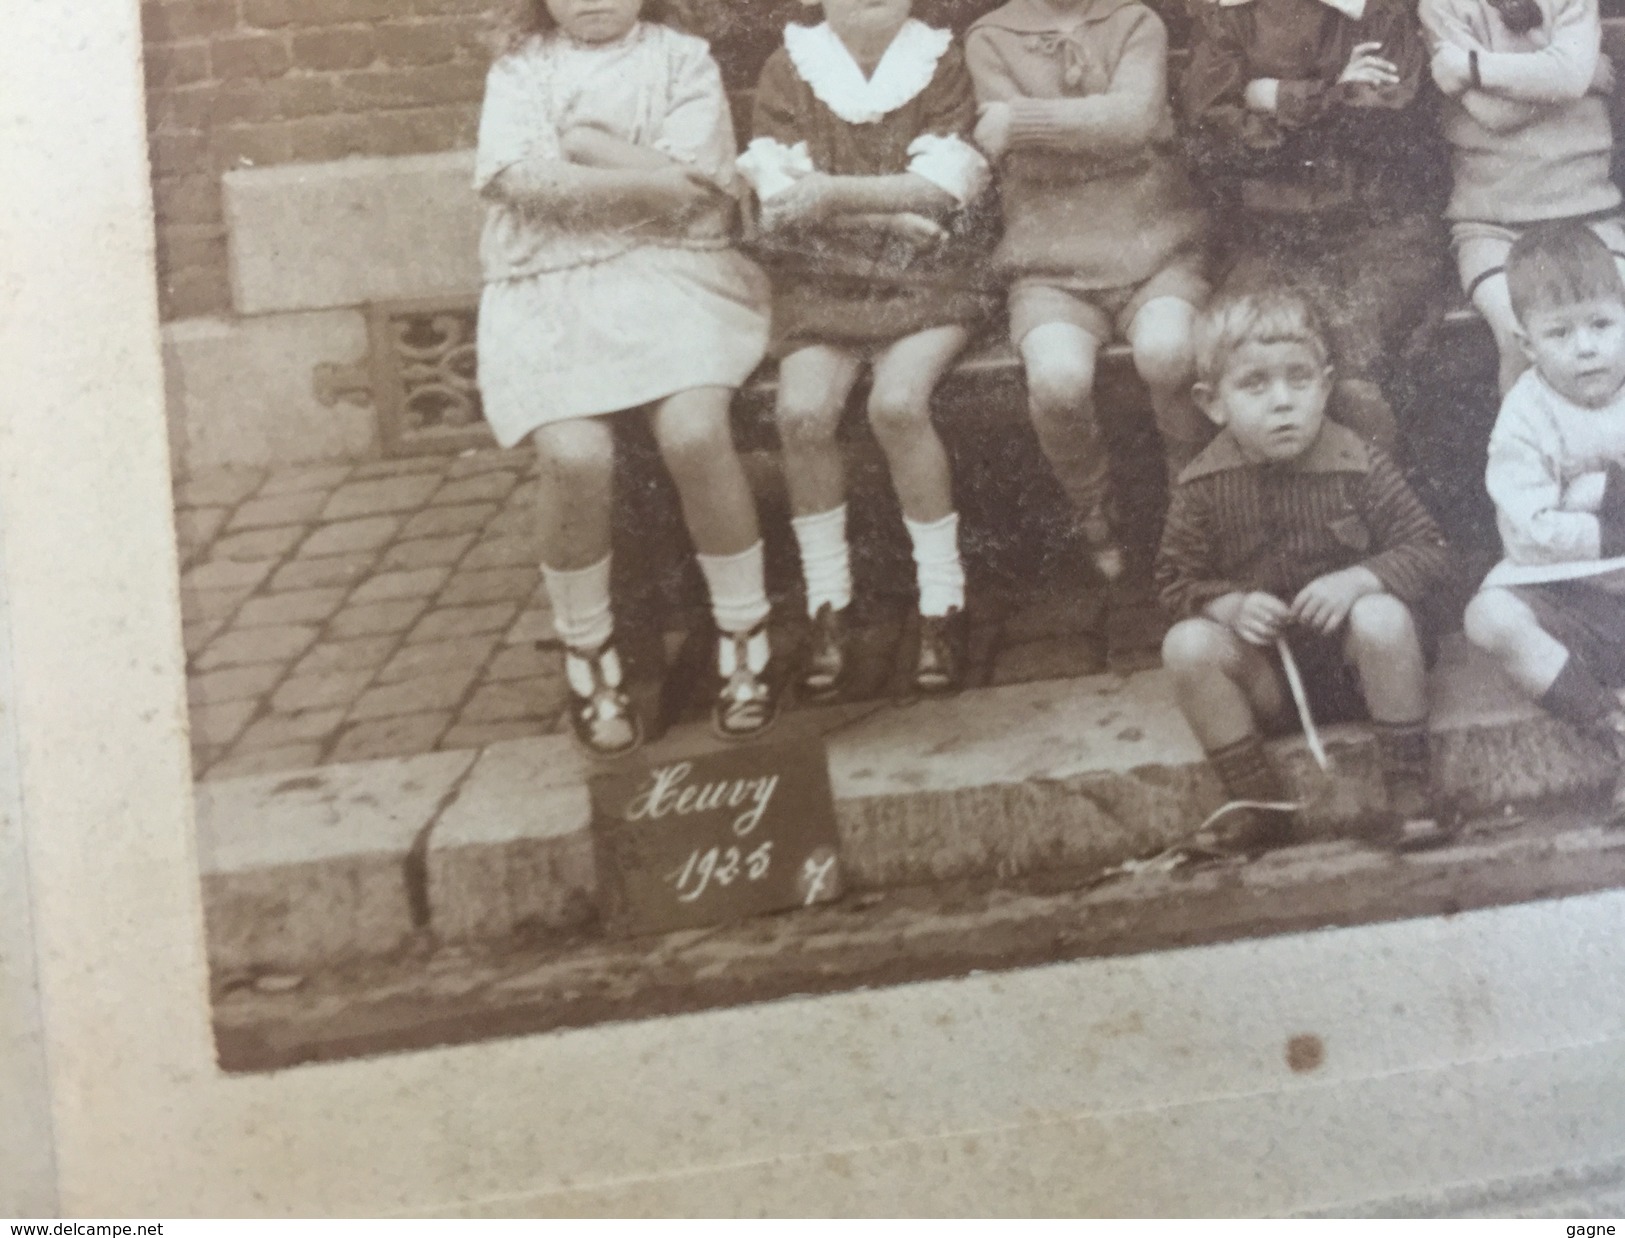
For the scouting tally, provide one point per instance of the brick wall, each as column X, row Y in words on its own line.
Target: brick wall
column 239, row 83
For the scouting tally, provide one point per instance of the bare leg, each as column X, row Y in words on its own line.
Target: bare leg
column 1059, row 358
column 1224, row 686
column 814, row 384
column 1383, row 644
column 906, row 374
column 696, row 443
column 1165, row 356
column 577, row 461
column 1501, row 624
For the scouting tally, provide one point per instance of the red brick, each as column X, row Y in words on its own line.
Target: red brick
column 414, row 131
column 177, row 64
column 200, row 293
column 187, row 247
column 176, row 20
column 251, row 146
column 253, row 57
column 175, row 154
column 417, row 43
column 316, row 139
column 334, row 47
column 451, row 6
column 447, row 83
column 187, row 200
column 271, row 13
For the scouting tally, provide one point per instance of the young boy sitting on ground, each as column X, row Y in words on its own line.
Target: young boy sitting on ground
column 1552, row 612
column 1291, row 526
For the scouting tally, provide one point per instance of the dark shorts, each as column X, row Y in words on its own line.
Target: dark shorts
column 1586, row 619
column 863, row 316
column 1330, row 680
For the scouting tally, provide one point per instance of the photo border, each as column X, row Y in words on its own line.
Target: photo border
column 1450, row 1050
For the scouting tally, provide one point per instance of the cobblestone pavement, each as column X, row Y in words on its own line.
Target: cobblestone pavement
column 355, row 611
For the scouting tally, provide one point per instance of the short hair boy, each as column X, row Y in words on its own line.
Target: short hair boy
column 1289, row 526
column 1552, row 612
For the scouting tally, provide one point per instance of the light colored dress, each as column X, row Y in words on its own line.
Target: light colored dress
column 576, row 322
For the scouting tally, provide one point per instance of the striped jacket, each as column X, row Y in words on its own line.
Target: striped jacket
column 1234, row 526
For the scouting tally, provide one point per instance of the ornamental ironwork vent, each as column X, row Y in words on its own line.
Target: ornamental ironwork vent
column 424, row 378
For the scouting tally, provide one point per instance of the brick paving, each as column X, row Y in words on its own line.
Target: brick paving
column 349, row 612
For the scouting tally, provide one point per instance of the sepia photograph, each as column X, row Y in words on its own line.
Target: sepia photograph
column 693, row 503
column 813, row 606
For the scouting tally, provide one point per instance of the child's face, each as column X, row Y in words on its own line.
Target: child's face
column 1272, row 396
column 1579, row 349
column 867, row 20
column 595, row 21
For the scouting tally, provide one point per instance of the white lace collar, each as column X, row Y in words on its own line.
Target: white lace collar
column 904, row 71
column 1354, row 10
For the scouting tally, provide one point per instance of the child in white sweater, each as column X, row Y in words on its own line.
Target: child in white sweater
column 1552, row 612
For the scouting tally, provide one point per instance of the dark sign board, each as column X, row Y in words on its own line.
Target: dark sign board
column 715, row 837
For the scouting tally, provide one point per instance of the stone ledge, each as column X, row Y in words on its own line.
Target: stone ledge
column 329, row 235
column 1003, row 783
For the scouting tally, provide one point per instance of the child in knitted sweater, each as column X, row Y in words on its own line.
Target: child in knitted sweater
column 1527, row 120
column 1552, row 612
column 1290, row 527
column 1102, row 236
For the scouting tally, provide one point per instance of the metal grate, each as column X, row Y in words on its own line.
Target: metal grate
column 424, row 377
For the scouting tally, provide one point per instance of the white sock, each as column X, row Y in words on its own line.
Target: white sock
column 581, row 614
column 738, row 588
column 826, row 560
column 937, row 564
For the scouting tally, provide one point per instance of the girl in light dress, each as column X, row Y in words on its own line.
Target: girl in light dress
column 861, row 162
column 606, row 161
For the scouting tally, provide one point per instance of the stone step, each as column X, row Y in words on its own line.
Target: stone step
column 1052, row 776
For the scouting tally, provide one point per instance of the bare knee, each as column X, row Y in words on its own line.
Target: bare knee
column 1198, row 647
column 577, row 456
column 1380, row 624
column 1058, row 386
column 1164, row 353
column 693, row 442
column 1497, row 622
column 807, row 419
column 898, row 415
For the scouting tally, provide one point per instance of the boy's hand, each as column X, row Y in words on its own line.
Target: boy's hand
column 1452, row 69
column 1325, row 603
column 1366, row 68
column 811, row 200
column 1262, row 94
column 1260, row 618
column 993, row 131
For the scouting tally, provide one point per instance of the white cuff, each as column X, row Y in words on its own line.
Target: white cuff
column 951, row 164
column 771, row 167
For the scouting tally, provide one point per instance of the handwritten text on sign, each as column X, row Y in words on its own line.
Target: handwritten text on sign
column 715, row 837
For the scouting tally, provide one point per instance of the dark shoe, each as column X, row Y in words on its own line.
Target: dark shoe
column 602, row 716
column 1610, row 734
column 748, row 701
column 940, row 663
column 824, row 675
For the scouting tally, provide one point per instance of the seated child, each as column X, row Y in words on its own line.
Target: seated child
column 1308, row 124
column 1102, row 232
column 1552, row 612
column 860, row 158
column 1527, row 118
column 1289, row 526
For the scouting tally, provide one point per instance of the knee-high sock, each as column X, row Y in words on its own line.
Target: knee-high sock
column 937, row 565
column 826, row 559
column 581, row 605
